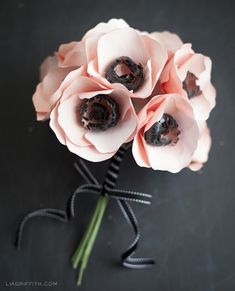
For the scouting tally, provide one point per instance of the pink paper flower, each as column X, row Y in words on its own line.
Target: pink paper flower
column 117, row 53
column 189, row 74
column 167, row 134
column 200, row 155
column 91, row 120
column 51, row 77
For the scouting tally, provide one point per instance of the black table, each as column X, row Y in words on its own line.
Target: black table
column 189, row 228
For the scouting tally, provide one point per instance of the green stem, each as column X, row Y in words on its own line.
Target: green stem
column 92, row 239
column 83, row 252
column 80, row 249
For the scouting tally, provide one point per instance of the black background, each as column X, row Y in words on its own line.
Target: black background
column 189, row 228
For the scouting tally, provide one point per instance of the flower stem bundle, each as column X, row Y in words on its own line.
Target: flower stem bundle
column 82, row 254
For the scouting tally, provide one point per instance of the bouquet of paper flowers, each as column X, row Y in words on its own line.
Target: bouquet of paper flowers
column 119, row 87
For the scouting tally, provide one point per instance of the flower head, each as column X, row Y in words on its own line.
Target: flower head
column 91, row 120
column 116, row 53
column 189, row 74
column 167, row 134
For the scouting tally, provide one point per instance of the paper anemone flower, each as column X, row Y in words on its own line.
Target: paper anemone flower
column 167, row 134
column 116, row 53
column 117, row 88
column 189, row 74
column 92, row 121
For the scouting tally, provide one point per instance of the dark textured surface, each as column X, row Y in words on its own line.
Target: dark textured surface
column 190, row 226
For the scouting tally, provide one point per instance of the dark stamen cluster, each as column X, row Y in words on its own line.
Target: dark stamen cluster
column 163, row 132
column 190, row 86
column 134, row 77
column 100, row 112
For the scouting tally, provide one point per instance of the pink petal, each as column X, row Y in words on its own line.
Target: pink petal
column 89, row 153
column 210, row 93
column 201, row 153
column 157, row 55
column 201, row 107
column 157, row 60
column 170, row 80
column 170, row 41
column 72, row 54
column 68, row 119
column 139, row 151
column 146, row 88
column 92, row 69
column 43, row 98
column 104, row 27
column 155, row 112
column 167, row 158
column 49, row 64
column 195, row 65
column 84, row 87
column 56, row 127
column 92, row 36
column 183, row 54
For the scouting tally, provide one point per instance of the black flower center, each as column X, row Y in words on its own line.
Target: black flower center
column 163, row 132
column 190, row 86
column 100, row 112
column 125, row 71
